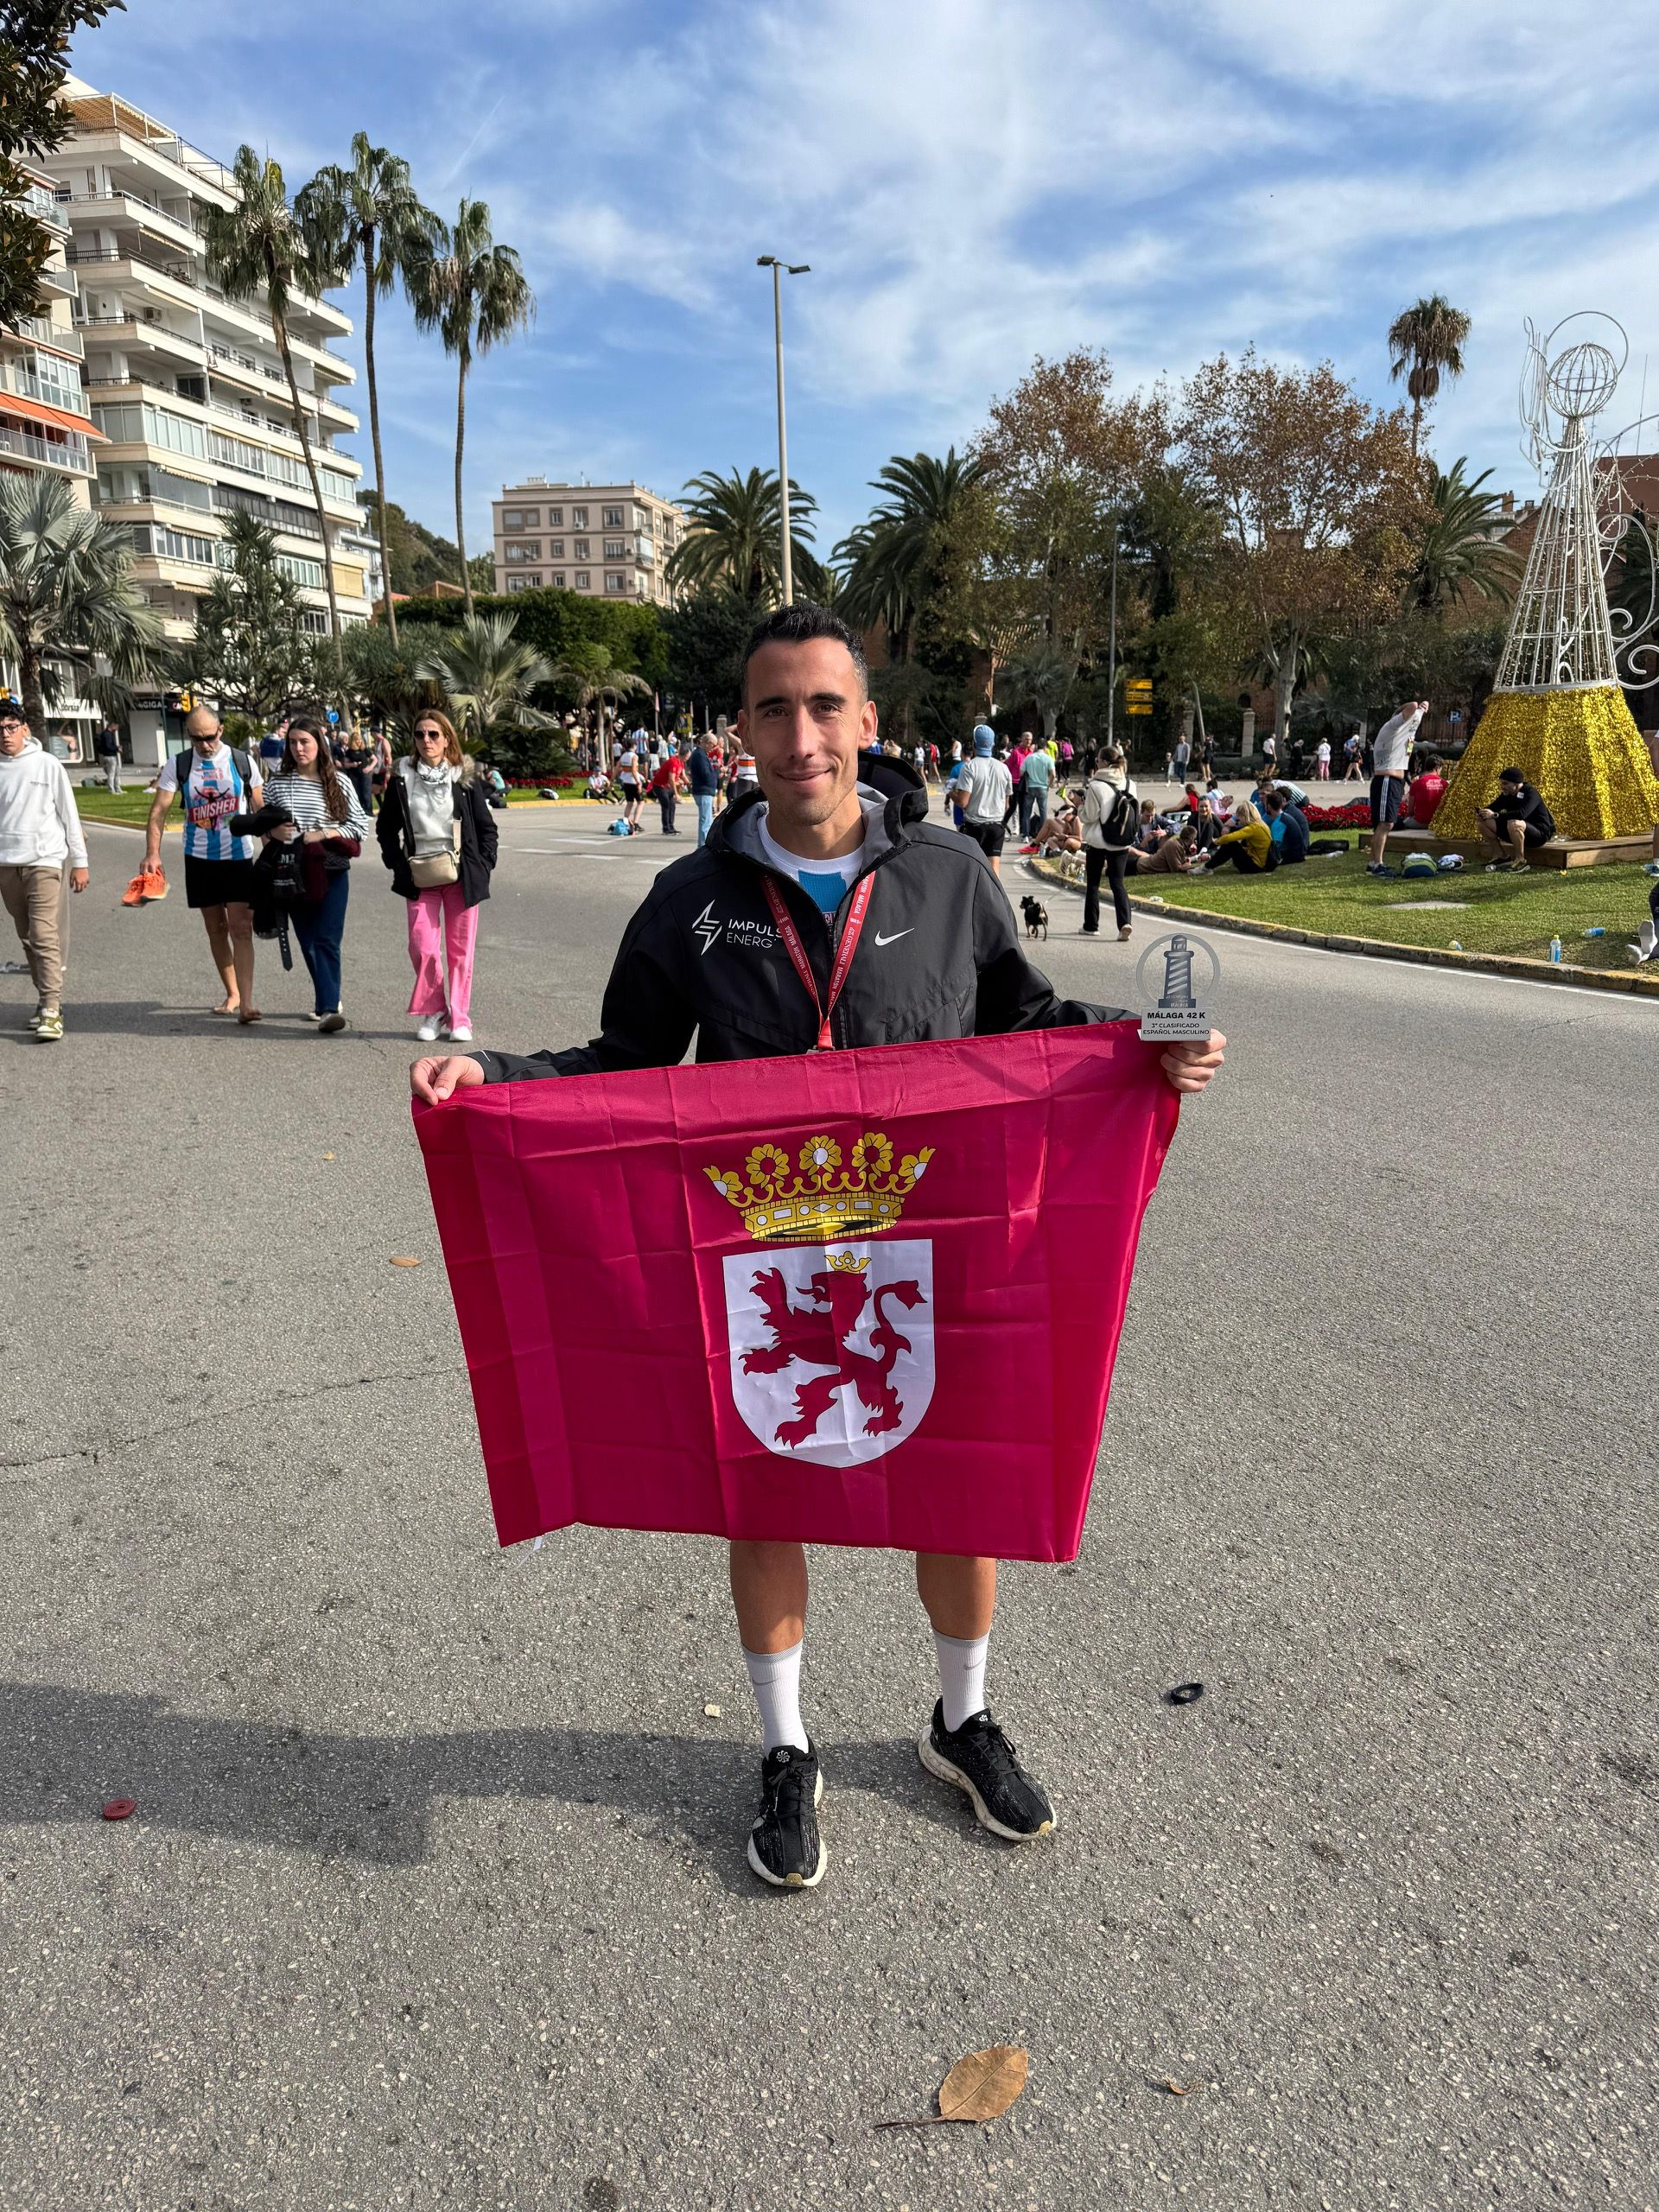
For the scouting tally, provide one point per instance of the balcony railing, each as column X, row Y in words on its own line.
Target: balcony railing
column 63, row 337
column 69, row 453
column 43, row 206
column 61, row 280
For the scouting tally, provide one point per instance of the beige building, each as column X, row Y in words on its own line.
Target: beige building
column 607, row 541
column 186, row 385
column 44, row 421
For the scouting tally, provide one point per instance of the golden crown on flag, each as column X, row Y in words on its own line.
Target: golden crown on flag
column 818, row 1199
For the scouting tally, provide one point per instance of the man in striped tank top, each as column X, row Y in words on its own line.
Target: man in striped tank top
column 214, row 781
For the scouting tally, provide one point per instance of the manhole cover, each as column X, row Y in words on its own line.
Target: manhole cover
column 1419, row 904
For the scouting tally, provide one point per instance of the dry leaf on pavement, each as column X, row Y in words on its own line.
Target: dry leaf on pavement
column 980, row 2087
column 405, row 1263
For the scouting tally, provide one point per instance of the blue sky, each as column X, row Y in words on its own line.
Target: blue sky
column 974, row 181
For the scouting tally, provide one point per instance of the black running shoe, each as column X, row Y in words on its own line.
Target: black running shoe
column 977, row 1757
column 784, row 1846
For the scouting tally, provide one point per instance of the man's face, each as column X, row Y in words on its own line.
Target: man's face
column 14, row 734
column 204, row 736
column 805, row 717
column 1510, row 786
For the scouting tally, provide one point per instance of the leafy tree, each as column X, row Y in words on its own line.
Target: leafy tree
column 1320, row 498
column 553, row 622
column 367, row 218
column 254, row 650
column 1457, row 552
column 705, row 633
column 476, row 295
column 258, row 248
column 69, row 608
column 1043, row 671
column 1424, row 339
column 591, row 676
column 35, row 40
column 736, row 538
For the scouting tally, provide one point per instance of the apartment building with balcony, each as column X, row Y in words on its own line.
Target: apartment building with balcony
column 607, row 541
column 186, row 386
column 45, row 420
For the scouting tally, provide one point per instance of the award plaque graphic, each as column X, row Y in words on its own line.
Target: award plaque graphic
column 1177, row 1013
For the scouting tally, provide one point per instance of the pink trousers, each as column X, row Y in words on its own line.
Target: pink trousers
column 434, row 916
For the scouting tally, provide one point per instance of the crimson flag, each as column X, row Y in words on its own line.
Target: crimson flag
column 867, row 1297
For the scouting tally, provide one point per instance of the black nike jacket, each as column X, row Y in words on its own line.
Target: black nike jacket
column 938, row 956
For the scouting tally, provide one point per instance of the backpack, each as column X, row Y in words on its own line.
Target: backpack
column 183, row 762
column 1120, row 817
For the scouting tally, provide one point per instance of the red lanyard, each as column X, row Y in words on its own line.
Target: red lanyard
column 844, row 950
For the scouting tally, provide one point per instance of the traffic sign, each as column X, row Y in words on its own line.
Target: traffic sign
column 1137, row 706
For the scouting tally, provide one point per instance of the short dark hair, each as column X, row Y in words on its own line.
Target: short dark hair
column 1511, row 776
column 798, row 623
column 1273, row 800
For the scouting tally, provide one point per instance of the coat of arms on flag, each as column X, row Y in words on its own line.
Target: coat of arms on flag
column 831, row 1344
column 888, row 1321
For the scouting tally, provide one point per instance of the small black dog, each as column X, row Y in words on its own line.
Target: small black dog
column 1036, row 916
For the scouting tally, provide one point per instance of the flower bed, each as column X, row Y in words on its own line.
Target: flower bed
column 1356, row 815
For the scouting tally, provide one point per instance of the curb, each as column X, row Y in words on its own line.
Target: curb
column 1423, row 956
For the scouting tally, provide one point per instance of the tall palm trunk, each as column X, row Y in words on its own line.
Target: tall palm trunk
column 279, row 323
column 28, row 683
column 1416, row 421
column 374, row 435
column 460, row 445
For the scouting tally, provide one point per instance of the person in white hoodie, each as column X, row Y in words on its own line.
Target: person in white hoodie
column 40, row 830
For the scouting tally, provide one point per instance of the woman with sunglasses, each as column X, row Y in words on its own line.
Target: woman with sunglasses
column 437, row 835
column 328, row 816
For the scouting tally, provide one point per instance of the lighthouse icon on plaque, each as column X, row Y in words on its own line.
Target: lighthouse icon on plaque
column 1177, row 1012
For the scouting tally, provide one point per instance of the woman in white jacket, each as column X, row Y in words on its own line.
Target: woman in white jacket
column 40, row 831
column 1101, row 801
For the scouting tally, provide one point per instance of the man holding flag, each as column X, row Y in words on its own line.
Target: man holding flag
column 824, row 914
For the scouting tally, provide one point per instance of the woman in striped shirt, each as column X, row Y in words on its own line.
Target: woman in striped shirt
column 327, row 815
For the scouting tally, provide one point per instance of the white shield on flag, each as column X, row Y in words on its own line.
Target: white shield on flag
column 832, row 1346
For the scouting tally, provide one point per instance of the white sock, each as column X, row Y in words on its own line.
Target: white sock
column 775, row 1678
column 961, row 1676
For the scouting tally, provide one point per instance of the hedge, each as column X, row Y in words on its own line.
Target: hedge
column 553, row 622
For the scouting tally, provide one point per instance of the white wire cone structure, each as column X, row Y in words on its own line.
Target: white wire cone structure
column 1561, row 633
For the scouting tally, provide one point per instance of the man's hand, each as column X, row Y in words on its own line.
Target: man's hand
column 434, row 1080
column 1190, row 1065
column 78, row 879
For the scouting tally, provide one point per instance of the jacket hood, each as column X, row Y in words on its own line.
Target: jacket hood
column 32, row 750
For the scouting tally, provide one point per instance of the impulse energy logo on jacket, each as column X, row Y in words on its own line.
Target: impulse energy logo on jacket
column 831, row 1344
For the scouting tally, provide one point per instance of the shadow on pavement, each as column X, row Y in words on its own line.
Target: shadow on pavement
column 64, row 1753
column 150, row 1018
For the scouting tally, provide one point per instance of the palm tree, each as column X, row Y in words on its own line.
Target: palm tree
column 893, row 561
column 258, row 248
column 1043, row 671
column 1424, row 339
column 67, row 601
column 476, row 295
column 735, row 533
column 487, row 675
column 367, row 217
column 590, row 671
column 1458, row 552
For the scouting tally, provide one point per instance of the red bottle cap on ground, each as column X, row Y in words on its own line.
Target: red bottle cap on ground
column 120, row 1809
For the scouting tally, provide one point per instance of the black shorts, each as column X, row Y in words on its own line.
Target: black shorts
column 217, row 883
column 987, row 836
column 1530, row 830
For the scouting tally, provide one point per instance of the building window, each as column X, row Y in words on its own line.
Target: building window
column 521, row 517
column 583, row 549
column 525, row 548
column 523, row 584
column 558, row 580
column 556, row 518
column 578, row 517
column 641, row 518
column 613, row 518
column 615, row 581
column 584, row 582
column 555, row 550
column 616, row 549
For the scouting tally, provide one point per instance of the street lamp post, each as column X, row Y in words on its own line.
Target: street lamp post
column 1111, row 681
column 779, row 269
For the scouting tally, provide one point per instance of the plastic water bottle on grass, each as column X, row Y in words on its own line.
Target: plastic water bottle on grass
column 1555, row 947
column 1595, row 932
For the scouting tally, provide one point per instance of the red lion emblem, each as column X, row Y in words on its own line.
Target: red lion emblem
column 816, row 1335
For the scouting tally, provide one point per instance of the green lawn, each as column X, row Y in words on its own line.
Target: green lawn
column 131, row 805
column 1512, row 914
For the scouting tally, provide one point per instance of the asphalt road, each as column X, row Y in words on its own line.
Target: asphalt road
column 435, row 1894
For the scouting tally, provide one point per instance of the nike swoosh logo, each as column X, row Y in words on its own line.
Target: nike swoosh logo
column 893, row 939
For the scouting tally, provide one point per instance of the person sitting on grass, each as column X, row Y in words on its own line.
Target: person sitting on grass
column 1516, row 821
column 1061, row 832
column 1287, row 826
column 1175, row 855
column 1248, row 846
column 1427, row 790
